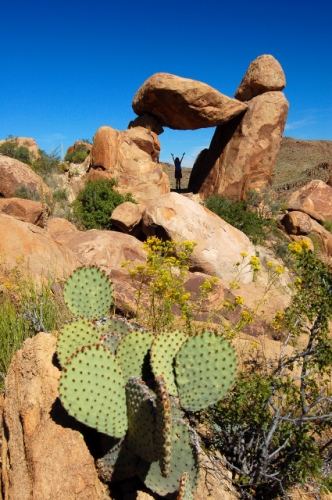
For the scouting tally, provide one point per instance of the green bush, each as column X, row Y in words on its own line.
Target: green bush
column 78, row 155
column 13, row 150
column 250, row 222
column 47, row 163
column 274, row 428
column 94, row 205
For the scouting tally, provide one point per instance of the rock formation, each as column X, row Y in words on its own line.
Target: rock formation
column 314, row 199
column 243, row 152
column 14, row 175
column 45, row 455
column 218, row 244
column 149, row 122
column 131, row 157
column 106, row 249
column 184, row 104
column 41, row 253
column 127, row 218
column 26, row 142
column 25, row 210
column 263, row 75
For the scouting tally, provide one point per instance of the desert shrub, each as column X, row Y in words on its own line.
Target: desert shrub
column 47, row 163
column 11, row 148
column 237, row 213
column 272, row 427
column 164, row 275
column 25, row 309
column 27, row 193
column 60, row 194
column 78, row 155
column 94, row 205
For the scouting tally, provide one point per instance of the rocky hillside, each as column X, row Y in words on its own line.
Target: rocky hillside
column 298, row 162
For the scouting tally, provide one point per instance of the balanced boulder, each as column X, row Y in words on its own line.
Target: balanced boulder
column 243, row 152
column 263, row 75
column 184, row 104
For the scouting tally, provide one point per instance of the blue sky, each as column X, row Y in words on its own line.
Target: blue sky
column 69, row 67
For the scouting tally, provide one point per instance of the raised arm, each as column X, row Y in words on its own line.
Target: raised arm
column 183, row 156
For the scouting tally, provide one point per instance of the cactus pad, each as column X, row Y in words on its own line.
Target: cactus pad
column 185, row 491
column 114, row 329
column 206, row 367
column 74, row 335
column 88, row 292
column 141, row 419
column 132, row 352
column 184, row 458
column 92, row 390
column 118, row 464
column 163, row 435
column 163, row 351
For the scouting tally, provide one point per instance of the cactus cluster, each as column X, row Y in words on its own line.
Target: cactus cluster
column 134, row 385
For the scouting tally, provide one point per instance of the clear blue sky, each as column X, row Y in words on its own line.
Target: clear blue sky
column 69, row 67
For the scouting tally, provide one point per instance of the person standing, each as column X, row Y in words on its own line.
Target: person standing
column 178, row 170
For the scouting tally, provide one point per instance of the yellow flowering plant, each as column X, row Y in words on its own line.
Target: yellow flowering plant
column 164, row 275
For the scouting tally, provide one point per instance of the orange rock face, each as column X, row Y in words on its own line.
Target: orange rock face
column 219, row 244
column 131, row 157
column 44, row 456
column 314, row 199
column 242, row 153
column 40, row 251
column 14, row 175
column 184, row 104
column 24, row 210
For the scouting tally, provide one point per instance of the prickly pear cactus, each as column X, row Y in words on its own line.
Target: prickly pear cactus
column 133, row 385
column 164, row 426
column 163, row 351
column 185, row 491
column 88, row 292
column 132, row 352
column 184, row 458
column 74, row 335
column 113, row 330
column 141, row 419
column 92, row 390
column 118, row 464
column 206, row 368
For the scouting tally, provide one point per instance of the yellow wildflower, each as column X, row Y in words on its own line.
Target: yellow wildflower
column 244, row 254
column 247, row 317
column 239, row 300
column 279, row 270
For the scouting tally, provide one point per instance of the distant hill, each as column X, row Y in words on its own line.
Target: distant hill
column 298, row 162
